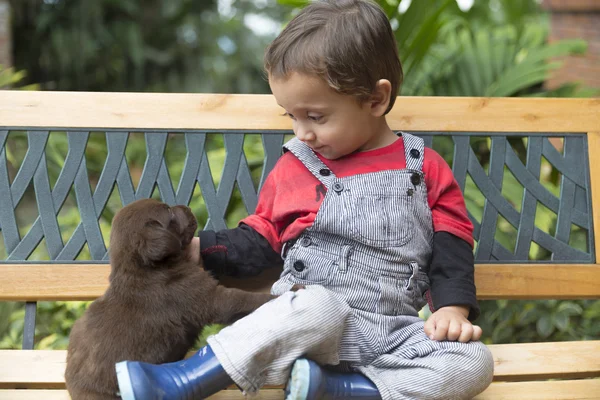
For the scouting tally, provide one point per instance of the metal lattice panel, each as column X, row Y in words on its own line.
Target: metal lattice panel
column 560, row 224
column 483, row 178
column 116, row 174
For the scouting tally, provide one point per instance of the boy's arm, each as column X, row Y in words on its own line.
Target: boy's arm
column 254, row 244
column 451, row 274
column 241, row 251
column 452, row 296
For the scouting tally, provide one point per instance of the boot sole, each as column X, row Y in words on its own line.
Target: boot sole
column 124, row 380
column 299, row 383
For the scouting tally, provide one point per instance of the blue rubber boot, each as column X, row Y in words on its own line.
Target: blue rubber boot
column 308, row 381
column 197, row 377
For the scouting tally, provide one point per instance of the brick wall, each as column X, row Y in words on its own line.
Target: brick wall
column 576, row 19
column 5, row 38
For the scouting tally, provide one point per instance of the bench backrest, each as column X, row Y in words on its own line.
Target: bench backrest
column 527, row 168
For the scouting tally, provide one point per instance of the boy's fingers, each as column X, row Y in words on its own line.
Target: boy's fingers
column 430, row 327
column 454, row 330
column 477, row 332
column 466, row 333
column 441, row 329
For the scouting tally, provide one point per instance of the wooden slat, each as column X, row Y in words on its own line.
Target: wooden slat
column 228, row 111
column 44, row 369
column 32, row 369
column 46, row 282
column 531, row 361
column 33, row 282
column 593, row 150
column 537, row 281
column 28, row 394
column 585, row 389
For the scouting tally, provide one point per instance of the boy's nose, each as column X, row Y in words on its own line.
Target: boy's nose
column 304, row 133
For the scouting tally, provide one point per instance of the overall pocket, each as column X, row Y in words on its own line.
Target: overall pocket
column 306, row 266
column 383, row 217
column 396, row 297
column 402, row 295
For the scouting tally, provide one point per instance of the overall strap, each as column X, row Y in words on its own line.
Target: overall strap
column 310, row 160
column 414, row 151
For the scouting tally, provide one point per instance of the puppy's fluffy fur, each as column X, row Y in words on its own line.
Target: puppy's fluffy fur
column 157, row 301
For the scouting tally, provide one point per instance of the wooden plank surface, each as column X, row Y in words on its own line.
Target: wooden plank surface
column 28, row 394
column 229, row 111
column 45, row 282
column 560, row 360
column 585, row 389
column 537, row 281
column 44, row 369
column 32, row 369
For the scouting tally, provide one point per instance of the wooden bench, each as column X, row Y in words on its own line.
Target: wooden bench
column 563, row 134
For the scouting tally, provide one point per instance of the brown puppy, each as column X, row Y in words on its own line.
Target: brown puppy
column 156, row 303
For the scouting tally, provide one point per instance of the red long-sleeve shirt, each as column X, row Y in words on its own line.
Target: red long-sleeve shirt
column 291, row 195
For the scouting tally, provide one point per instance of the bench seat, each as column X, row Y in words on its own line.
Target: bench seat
column 582, row 389
column 518, row 373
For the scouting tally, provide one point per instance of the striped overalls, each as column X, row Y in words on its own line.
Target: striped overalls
column 364, row 262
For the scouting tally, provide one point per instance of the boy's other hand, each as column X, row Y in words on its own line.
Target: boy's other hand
column 451, row 323
column 194, row 249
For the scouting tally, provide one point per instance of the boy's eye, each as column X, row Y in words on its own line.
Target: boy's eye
column 315, row 118
column 287, row 114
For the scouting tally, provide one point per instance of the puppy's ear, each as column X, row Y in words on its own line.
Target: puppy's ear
column 183, row 224
column 158, row 243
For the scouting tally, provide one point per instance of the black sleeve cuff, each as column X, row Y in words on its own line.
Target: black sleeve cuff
column 214, row 256
column 455, row 293
column 240, row 251
column 452, row 274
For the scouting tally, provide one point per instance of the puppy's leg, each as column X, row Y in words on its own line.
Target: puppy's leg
column 232, row 304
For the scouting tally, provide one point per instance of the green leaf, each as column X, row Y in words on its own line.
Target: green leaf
column 485, row 70
column 569, row 308
column 390, row 7
column 528, row 316
column 416, row 33
column 544, row 326
column 561, row 321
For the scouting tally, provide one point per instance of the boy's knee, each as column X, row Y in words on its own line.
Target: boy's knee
column 483, row 361
column 469, row 377
column 322, row 305
column 479, row 368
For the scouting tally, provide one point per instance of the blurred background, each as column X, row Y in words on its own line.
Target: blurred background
column 447, row 47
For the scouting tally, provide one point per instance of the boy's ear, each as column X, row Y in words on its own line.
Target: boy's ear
column 380, row 99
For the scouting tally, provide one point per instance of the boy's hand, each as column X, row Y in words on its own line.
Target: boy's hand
column 194, row 249
column 451, row 323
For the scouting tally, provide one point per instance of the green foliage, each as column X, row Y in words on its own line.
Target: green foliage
column 494, row 63
column 133, row 45
column 537, row 321
column 11, row 79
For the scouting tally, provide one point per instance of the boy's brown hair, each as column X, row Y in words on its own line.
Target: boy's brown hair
column 348, row 43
